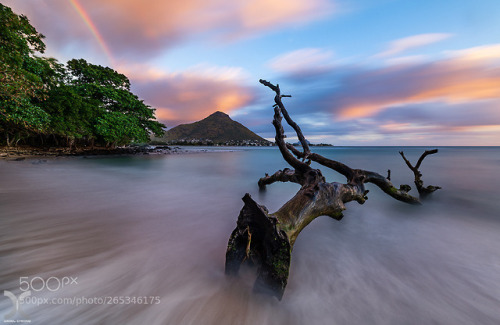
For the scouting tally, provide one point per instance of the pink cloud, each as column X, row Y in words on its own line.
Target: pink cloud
column 411, row 42
column 188, row 97
column 451, row 81
column 256, row 15
column 485, row 53
column 133, row 28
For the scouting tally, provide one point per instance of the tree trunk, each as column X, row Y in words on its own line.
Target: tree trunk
column 17, row 138
column 266, row 239
column 56, row 142
column 9, row 142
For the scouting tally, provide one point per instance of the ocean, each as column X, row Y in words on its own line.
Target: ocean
column 142, row 240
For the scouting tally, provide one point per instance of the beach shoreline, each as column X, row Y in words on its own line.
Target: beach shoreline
column 21, row 153
column 29, row 153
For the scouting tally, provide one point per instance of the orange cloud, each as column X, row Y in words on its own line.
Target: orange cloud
column 187, row 97
column 260, row 14
column 484, row 53
column 494, row 128
column 164, row 114
column 451, row 81
column 132, row 28
column 413, row 128
column 462, row 90
column 360, row 111
column 192, row 100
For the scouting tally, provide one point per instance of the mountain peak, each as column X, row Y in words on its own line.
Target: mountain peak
column 218, row 114
column 218, row 127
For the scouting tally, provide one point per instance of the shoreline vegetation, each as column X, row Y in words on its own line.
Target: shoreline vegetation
column 45, row 103
column 230, row 143
column 52, row 109
column 21, row 153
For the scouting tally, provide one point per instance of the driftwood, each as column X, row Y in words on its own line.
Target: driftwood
column 419, row 183
column 266, row 239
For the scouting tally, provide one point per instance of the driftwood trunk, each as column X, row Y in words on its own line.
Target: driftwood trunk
column 265, row 239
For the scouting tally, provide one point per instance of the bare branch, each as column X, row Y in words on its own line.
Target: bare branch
column 285, row 175
column 408, row 163
column 298, row 153
column 300, row 136
column 427, row 152
column 422, row 191
column 332, row 164
column 279, row 103
column 363, row 176
column 294, row 150
column 385, row 185
column 280, row 141
column 266, row 239
column 276, row 88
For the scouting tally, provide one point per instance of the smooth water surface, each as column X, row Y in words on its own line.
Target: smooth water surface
column 158, row 227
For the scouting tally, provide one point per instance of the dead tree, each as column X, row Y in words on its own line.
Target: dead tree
column 266, row 239
column 419, row 183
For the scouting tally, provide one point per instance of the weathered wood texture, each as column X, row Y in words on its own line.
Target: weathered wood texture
column 266, row 239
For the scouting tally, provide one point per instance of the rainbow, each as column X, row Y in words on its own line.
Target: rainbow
column 93, row 29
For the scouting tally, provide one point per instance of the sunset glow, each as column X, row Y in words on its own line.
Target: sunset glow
column 353, row 68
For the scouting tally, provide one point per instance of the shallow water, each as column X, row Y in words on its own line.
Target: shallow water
column 157, row 227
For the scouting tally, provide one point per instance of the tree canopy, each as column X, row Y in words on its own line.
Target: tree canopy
column 20, row 74
column 79, row 102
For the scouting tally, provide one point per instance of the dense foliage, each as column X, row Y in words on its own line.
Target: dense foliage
column 43, row 102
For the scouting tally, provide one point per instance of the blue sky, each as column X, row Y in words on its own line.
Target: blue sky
column 379, row 72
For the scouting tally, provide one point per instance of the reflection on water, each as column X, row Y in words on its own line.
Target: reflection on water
column 158, row 226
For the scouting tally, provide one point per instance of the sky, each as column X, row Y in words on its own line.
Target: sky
column 360, row 72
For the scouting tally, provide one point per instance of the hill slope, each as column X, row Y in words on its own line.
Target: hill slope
column 218, row 128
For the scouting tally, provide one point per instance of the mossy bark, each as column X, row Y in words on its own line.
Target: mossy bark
column 258, row 240
column 265, row 239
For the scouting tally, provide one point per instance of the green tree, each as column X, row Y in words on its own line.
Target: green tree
column 118, row 129
column 71, row 114
column 84, row 73
column 118, row 116
column 19, row 78
column 41, row 98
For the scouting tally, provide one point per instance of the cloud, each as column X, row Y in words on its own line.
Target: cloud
column 412, row 42
column 264, row 14
column 450, row 81
column 145, row 72
column 406, row 60
column 433, row 100
column 133, row 29
column 486, row 53
column 361, row 92
column 441, row 117
column 190, row 96
column 302, row 62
